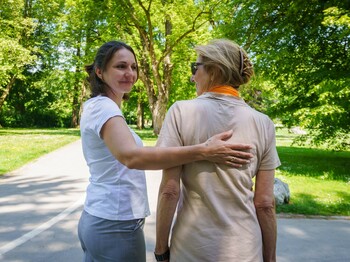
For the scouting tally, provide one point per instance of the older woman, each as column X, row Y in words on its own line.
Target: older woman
column 221, row 216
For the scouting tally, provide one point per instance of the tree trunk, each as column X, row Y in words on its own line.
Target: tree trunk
column 7, row 91
column 82, row 99
column 140, row 116
column 158, row 114
column 76, row 96
column 164, row 83
column 75, row 109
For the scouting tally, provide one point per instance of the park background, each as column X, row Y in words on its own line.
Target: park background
column 300, row 51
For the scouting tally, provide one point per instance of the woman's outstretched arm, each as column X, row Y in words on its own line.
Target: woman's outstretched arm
column 121, row 143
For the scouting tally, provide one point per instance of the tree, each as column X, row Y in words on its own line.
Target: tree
column 302, row 49
column 77, row 31
column 156, row 29
column 15, row 54
column 39, row 95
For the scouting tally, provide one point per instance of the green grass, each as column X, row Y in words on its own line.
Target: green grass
column 318, row 179
column 21, row 146
column 147, row 135
column 312, row 196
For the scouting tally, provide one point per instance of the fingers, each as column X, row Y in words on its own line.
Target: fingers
column 224, row 135
column 240, row 151
column 236, row 163
column 232, row 164
column 242, row 155
column 234, row 155
column 231, row 160
column 239, row 161
column 239, row 146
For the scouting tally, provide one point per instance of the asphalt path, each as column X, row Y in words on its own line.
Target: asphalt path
column 40, row 205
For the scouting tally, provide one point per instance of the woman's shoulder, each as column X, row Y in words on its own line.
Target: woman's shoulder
column 184, row 106
column 101, row 107
column 99, row 102
column 98, row 99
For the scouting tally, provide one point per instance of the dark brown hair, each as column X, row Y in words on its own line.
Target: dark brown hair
column 103, row 57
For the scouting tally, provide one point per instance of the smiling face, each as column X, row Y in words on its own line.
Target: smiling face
column 120, row 74
column 201, row 78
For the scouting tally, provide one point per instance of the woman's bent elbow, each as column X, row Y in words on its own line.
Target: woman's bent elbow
column 129, row 162
column 264, row 203
column 170, row 192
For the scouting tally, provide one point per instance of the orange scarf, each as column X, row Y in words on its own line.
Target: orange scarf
column 226, row 90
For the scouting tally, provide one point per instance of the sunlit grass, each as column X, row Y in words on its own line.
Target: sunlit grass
column 314, row 196
column 147, row 136
column 318, row 179
column 20, row 146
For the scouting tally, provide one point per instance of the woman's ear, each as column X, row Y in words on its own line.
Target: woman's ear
column 98, row 72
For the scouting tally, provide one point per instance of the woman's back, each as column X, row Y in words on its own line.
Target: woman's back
column 217, row 219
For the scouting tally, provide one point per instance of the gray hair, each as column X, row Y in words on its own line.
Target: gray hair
column 226, row 62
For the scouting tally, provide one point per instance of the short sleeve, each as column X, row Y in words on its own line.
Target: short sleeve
column 98, row 112
column 170, row 133
column 270, row 159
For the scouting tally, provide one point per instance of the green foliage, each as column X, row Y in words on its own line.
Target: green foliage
column 161, row 33
column 15, row 55
column 39, row 102
column 323, row 110
column 301, row 49
column 259, row 94
column 136, row 102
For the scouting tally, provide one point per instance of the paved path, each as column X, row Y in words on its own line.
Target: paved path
column 40, row 205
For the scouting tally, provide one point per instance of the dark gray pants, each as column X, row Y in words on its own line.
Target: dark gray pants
column 107, row 240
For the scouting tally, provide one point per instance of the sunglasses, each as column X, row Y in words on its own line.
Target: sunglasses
column 194, row 67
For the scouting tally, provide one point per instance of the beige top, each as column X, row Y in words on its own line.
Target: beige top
column 217, row 219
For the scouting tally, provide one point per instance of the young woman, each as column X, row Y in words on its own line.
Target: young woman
column 111, row 225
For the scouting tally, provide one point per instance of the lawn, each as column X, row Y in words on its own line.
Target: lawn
column 318, row 179
column 20, row 146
